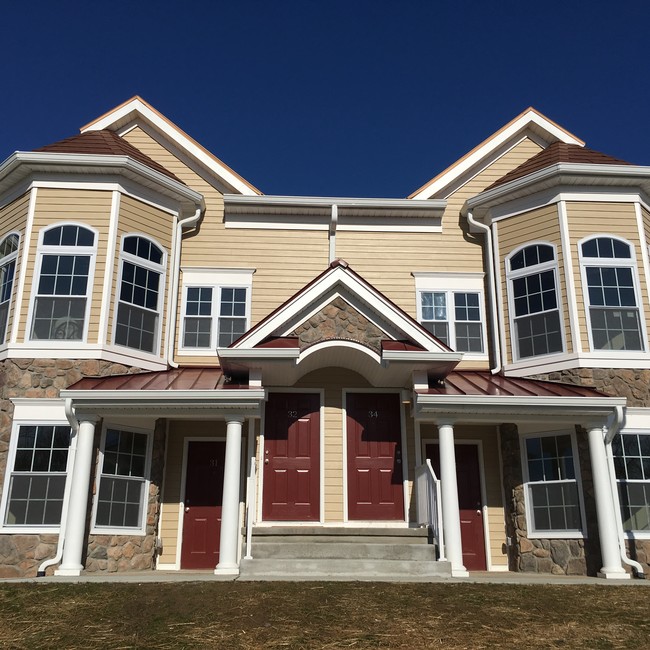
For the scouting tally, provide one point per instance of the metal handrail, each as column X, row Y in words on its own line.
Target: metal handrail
column 251, row 500
column 429, row 503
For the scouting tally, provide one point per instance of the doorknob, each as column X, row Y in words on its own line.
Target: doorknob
column 187, row 508
column 266, row 461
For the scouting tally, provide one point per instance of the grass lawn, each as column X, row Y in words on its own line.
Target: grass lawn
column 322, row 615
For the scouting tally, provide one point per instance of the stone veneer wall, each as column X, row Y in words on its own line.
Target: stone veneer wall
column 555, row 556
column 634, row 385
column 339, row 320
column 20, row 555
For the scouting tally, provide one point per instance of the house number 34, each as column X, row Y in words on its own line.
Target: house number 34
column 373, row 414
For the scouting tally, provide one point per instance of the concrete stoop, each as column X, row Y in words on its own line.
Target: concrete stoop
column 325, row 553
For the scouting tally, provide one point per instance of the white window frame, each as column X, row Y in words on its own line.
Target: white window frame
column 30, row 412
column 215, row 279
column 533, row 533
column 151, row 266
column 41, row 251
column 631, row 533
column 451, row 284
column 602, row 262
column 123, row 530
column 4, row 262
column 536, row 269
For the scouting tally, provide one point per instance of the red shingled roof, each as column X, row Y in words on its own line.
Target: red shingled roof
column 105, row 143
column 558, row 152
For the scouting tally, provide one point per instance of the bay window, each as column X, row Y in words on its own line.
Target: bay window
column 632, row 463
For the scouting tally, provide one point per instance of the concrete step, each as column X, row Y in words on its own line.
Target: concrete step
column 343, row 569
column 329, row 534
column 342, row 550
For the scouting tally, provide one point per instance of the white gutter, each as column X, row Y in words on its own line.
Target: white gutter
column 74, row 425
column 172, row 307
column 491, row 290
column 617, row 425
column 327, row 202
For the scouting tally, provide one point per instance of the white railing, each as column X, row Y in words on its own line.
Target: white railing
column 251, row 500
column 429, row 504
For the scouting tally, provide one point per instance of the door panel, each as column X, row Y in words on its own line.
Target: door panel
column 292, row 457
column 374, row 446
column 468, row 477
column 203, row 498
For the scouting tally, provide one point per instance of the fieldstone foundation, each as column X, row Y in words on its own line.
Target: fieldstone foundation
column 20, row 555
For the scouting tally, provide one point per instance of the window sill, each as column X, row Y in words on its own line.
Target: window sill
column 29, row 530
column 557, row 534
column 135, row 532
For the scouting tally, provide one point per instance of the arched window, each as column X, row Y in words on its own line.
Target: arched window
column 534, row 310
column 61, row 299
column 8, row 254
column 610, row 281
column 137, row 323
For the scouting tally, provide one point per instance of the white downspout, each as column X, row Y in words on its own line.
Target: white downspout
column 332, row 232
column 619, row 419
column 176, row 273
column 74, row 425
column 492, row 293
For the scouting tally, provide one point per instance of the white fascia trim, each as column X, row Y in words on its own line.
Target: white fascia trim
column 197, row 398
column 258, row 353
column 584, row 360
column 328, row 281
column 326, row 202
column 82, row 161
column 530, row 117
column 575, row 169
column 411, row 356
column 175, row 135
column 527, row 403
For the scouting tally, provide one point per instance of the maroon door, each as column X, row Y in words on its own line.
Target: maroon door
column 375, row 481
column 470, row 504
column 203, row 496
column 292, row 457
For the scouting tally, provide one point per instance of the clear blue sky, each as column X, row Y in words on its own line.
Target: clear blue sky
column 340, row 98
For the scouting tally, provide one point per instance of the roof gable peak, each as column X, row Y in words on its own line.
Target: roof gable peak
column 137, row 110
column 529, row 121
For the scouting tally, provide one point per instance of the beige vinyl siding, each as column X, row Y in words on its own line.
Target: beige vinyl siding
column 541, row 225
column 171, row 508
column 136, row 217
column 601, row 218
column 646, row 225
column 284, row 260
column 90, row 207
column 13, row 218
column 488, row 437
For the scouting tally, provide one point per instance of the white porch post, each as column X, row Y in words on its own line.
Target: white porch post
column 75, row 530
column 230, row 505
column 605, row 513
column 449, row 489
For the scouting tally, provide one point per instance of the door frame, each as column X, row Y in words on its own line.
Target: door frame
column 321, row 450
column 405, row 458
column 181, row 504
column 481, row 470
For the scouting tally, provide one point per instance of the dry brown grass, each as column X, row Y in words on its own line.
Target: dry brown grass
column 322, row 615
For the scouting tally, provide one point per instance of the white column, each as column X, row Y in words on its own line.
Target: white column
column 605, row 513
column 230, row 504
column 75, row 528
column 450, row 510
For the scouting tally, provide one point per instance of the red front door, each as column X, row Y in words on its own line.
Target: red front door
column 203, row 496
column 292, row 457
column 468, row 478
column 375, row 480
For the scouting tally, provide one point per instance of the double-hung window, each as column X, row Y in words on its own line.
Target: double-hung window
column 121, row 500
column 216, row 307
column 8, row 254
column 37, row 466
column 450, row 306
column 551, row 484
column 63, row 283
column 632, row 463
column 454, row 317
column 139, row 305
column 534, row 304
column 609, row 276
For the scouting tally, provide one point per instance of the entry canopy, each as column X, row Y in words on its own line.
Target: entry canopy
column 339, row 320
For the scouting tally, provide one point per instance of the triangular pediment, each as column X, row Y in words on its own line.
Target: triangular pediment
column 340, row 305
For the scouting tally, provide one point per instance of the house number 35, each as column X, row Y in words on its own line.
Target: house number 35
column 373, row 414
